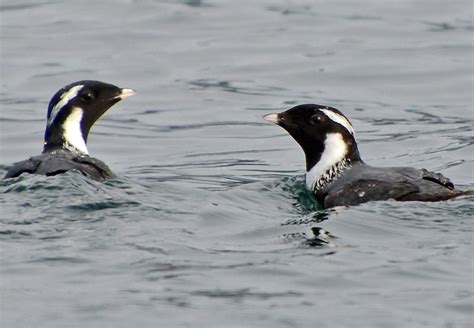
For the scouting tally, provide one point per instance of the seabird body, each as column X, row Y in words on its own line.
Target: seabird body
column 71, row 113
column 335, row 172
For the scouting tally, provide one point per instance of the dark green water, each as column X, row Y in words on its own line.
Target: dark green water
column 208, row 223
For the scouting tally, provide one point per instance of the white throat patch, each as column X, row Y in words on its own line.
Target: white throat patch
column 335, row 149
column 64, row 99
column 72, row 131
column 339, row 119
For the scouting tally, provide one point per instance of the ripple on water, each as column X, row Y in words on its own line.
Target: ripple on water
column 96, row 206
column 212, row 225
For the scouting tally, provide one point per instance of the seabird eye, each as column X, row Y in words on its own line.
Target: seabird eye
column 315, row 119
column 87, row 97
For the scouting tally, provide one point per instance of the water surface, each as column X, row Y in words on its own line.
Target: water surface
column 208, row 223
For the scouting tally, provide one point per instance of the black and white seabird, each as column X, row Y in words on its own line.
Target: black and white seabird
column 71, row 113
column 335, row 172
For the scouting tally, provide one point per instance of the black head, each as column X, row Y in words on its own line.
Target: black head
column 317, row 127
column 74, row 109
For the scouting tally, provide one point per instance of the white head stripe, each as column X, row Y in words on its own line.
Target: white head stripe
column 72, row 131
column 64, row 99
column 338, row 119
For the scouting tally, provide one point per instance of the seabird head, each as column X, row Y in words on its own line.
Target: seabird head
column 325, row 135
column 74, row 109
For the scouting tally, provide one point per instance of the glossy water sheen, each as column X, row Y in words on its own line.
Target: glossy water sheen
column 209, row 223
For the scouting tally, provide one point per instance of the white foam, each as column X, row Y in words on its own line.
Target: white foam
column 339, row 119
column 335, row 149
column 73, row 133
column 64, row 100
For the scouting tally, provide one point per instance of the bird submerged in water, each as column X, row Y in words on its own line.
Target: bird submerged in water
column 335, row 172
column 71, row 113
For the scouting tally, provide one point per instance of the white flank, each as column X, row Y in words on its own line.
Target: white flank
column 335, row 149
column 64, row 99
column 72, row 131
column 339, row 119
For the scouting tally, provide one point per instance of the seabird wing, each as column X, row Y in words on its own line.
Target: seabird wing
column 94, row 168
column 437, row 178
column 365, row 190
column 27, row 166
